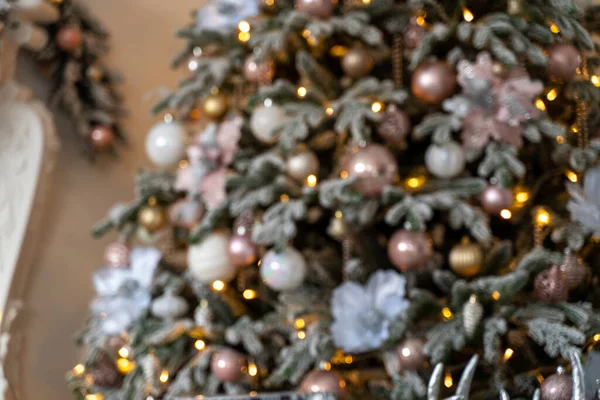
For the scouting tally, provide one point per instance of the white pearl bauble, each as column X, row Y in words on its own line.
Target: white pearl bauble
column 209, row 261
column 165, row 144
column 169, row 306
column 283, row 271
column 300, row 166
column 263, row 122
column 446, row 161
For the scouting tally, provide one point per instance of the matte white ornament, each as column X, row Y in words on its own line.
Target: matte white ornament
column 165, row 144
column 263, row 122
column 446, row 161
column 208, row 261
column 283, row 271
column 169, row 306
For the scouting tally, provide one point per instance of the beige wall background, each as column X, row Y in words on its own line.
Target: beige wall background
column 56, row 303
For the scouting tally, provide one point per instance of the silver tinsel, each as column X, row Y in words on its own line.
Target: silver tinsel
column 472, row 314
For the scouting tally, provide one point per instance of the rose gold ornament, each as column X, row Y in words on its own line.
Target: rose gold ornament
column 394, row 126
column 357, row 63
column 259, row 71
column 433, row 82
column 410, row 354
column 495, row 199
column 575, row 270
column 300, row 166
column 242, row 251
column 318, row 381
column 409, row 250
column 227, row 365
column 374, row 167
column 557, row 387
column 563, row 61
column 316, row 8
column 550, row 286
column 185, row 213
column 117, row 255
column 102, row 138
column 69, row 38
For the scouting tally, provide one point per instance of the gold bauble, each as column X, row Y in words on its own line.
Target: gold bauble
column 466, row 259
column 216, row 106
column 152, row 218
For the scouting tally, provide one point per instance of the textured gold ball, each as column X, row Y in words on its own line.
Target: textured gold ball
column 216, row 106
column 152, row 218
column 466, row 259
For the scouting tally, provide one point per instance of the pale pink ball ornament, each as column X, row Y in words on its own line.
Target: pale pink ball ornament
column 117, row 255
column 433, row 82
column 102, row 138
column 494, row 199
column 319, row 381
column 227, row 365
column 374, row 167
column 258, row 71
column 409, row 251
column 69, row 38
column 242, row 250
column 563, row 61
column 316, row 8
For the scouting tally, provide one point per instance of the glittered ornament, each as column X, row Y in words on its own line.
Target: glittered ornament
column 186, row 213
column 103, row 372
column 242, row 250
column 258, row 71
column 466, row 259
column 285, row 270
column 264, row 121
column 563, row 61
column 117, row 255
column 152, row 218
column 300, row 166
column 316, row 8
column 374, row 167
column 216, row 106
column 69, row 38
column 319, row 381
column 433, row 82
column 446, row 161
column 394, row 126
column 226, row 365
column 357, row 63
column 209, row 261
column 165, row 144
column 550, row 286
column 169, row 306
column 557, row 387
column 102, row 138
column 574, row 269
column 472, row 314
column 495, row 198
column 409, row 250
column 411, row 355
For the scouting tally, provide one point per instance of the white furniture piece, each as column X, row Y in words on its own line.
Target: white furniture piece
column 28, row 146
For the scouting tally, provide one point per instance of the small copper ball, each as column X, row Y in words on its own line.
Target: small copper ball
column 563, row 61
column 409, row 251
column 433, row 82
column 258, row 71
column 495, row 199
column 216, row 106
column 550, row 286
column 242, row 250
column 318, row 381
column 227, row 365
column 102, row 138
column 374, row 167
column 557, row 387
column 69, row 38
column 411, row 355
column 357, row 63
column 152, row 218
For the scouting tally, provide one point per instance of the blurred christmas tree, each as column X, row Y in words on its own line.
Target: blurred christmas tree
column 353, row 192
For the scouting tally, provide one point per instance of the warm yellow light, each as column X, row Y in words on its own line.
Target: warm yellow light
column 306, row 33
column 244, row 36
column 448, row 382
column 574, row 129
column 506, row 214
column 269, row 2
column 327, row 366
column 540, row 378
column 539, row 103
column 543, row 217
column 94, row 396
column 551, row 95
column 79, row 369
column 253, row 393
column 522, row 197
column 447, row 313
column 366, row 1
column 508, row 354
column 311, row 40
column 284, row 198
column 249, row 294
column 244, row 26
column 200, row 345
column 496, row 295
column 329, row 111
column 344, row 174
column 125, row 366
column 339, row 214
column 597, row 337
column 301, row 335
column 560, row 139
column 554, row 28
column 168, row 118
column 311, row 181
column 124, row 352
column 415, row 182
column 468, row 15
column 218, row 286
column 164, row 376
column 183, row 164
column 377, row 107
column 302, row 91
column 572, row 176
column 299, row 323
column 348, row 359
column 420, row 20
column 595, row 80
column 338, row 51
column 252, row 370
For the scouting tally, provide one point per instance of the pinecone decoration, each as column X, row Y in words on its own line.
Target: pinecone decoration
column 472, row 314
column 104, row 372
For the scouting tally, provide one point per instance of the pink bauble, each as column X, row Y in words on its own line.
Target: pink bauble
column 495, row 199
column 563, row 61
column 411, row 355
column 258, row 71
column 409, row 250
column 69, row 38
column 316, row 8
column 185, row 213
column 394, row 126
column 319, row 381
column 102, row 138
column 117, row 255
column 226, row 365
column 433, row 82
column 374, row 167
column 557, row 387
column 242, row 250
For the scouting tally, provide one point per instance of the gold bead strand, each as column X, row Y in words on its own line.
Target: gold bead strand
column 397, row 61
